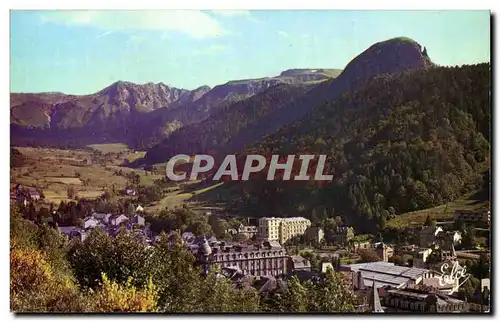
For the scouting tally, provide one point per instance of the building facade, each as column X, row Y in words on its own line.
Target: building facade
column 298, row 263
column 282, row 229
column 248, row 231
column 264, row 259
column 414, row 300
column 385, row 252
column 269, row 228
column 343, row 235
column 469, row 216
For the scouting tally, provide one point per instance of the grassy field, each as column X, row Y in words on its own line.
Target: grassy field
column 179, row 197
column 440, row 213
column 54, row 170
column 110, row 147
column 147, row 178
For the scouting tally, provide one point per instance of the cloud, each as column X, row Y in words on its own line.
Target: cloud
column 283, row 34
column 212, row 49
column 194, row 23
column 107, row 33
column 231, row 13
column 237, row 13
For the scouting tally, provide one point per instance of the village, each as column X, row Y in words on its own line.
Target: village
column 389, row 277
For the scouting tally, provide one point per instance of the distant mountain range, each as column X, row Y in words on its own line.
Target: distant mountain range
column 138, row 115
column 168, row 120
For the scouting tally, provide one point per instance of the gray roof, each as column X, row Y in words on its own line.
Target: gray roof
column 274, row 244
column 300, row 262
column 385, row 273
column 68, row 229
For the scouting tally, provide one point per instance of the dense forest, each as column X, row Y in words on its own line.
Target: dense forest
column 400, row 143
column 224, row 124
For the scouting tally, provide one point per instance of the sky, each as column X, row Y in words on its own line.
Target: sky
column 81, row 52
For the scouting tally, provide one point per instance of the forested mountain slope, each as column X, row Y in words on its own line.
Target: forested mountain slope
column 227, row 132
column 400, row 143
column 224, row 124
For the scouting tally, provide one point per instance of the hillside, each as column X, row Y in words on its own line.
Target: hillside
column 138, row 115
column 391, row 56
column 224, row 124
column 400, row 143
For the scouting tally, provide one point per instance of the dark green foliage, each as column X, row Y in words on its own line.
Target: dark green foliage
column 181, row 219
column 330, row 295
column 119, row 258
column 400, row 143
column 224, row 124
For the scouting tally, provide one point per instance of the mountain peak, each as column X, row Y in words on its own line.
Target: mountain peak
column 394, row 55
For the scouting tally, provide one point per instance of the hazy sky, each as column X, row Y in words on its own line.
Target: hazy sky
column 81, row 52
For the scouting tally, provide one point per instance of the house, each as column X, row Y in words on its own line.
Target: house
column 298, row 263
column 90, row 223
column 326, row 266
column 34, row 195
column 72, row 232
column 385, row 252
column 139, row 208
column 188, row 237
column 343, row 235
column 248, row 231
column 102, row 218
column 315, row 234
column 130, row 192
column 116, row 220
column 107, row 218
column 355, row 246
column 469, row 216
column 139, row 220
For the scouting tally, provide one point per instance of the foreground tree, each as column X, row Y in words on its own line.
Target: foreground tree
column 329, row 295
column 114, row 297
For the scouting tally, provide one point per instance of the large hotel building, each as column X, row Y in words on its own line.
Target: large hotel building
column 282, row 229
